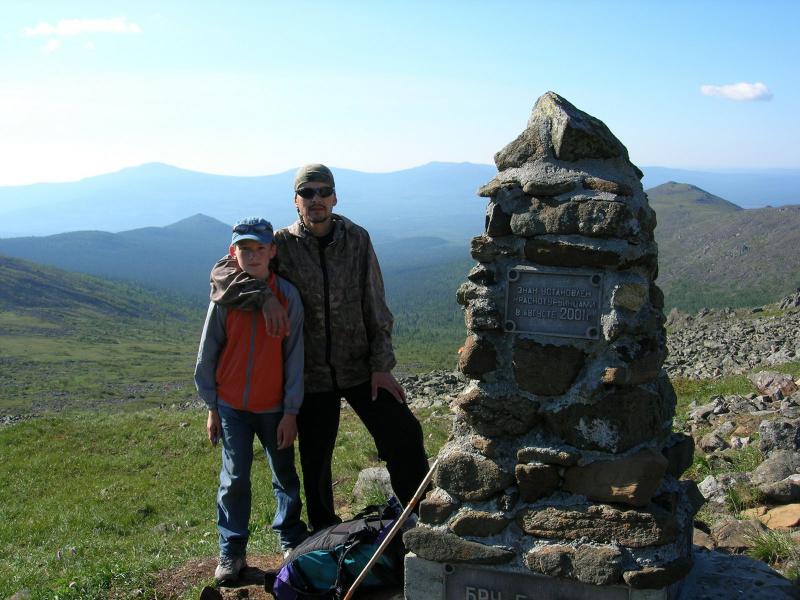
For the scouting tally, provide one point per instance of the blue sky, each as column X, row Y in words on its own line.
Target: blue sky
column 259, row 87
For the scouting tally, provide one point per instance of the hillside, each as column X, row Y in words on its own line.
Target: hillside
column 176, row 258
column 713, row 253
column 74, row 340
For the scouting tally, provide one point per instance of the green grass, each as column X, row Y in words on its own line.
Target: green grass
column 107, row 499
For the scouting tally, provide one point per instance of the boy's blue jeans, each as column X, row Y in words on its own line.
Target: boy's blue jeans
column 233, row 497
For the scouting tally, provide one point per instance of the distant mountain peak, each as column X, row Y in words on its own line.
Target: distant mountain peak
column 674, row 192
column 195, row 221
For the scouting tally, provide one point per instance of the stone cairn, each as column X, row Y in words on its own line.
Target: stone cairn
column 561, row 469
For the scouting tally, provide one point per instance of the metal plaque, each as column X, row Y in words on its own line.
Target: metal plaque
column 463, row 582
column 559, row 303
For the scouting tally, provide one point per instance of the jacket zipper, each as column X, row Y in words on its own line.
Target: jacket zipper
column 327, row 309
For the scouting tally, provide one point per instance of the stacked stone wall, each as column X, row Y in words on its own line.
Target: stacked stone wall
column 562, row 461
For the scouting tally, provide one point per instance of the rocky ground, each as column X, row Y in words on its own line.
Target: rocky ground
column 720, row 342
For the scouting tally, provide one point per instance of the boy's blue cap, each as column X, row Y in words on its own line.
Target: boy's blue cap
column 252, row 228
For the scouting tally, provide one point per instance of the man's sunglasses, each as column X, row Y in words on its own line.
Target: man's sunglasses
column 307, row 193
column 255, row 228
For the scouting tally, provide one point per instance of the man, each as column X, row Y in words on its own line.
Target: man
column 348, row 348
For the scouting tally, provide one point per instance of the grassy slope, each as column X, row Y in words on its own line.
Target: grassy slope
column 713, row 253
column 73, row 340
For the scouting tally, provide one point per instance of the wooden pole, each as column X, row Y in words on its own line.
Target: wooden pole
column 393, row 531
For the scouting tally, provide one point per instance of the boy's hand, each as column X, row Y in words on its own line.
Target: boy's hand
column 276, row 317
column 287, row 431
column 385, row 380
column 213, row 427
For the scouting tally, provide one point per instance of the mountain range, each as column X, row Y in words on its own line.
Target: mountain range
column 436, row 199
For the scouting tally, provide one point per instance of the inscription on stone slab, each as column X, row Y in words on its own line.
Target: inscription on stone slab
column 468, row 583
column 559, row 303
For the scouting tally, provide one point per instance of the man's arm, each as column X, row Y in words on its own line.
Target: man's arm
column 378, row 320
column 293, row 364
column 234, row 288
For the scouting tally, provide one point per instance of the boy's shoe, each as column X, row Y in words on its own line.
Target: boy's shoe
column 228, row 568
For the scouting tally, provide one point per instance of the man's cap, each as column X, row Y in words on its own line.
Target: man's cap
column 252, row 228
column 313, row 173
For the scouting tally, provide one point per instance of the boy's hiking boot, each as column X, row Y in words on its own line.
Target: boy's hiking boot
column 228, row 568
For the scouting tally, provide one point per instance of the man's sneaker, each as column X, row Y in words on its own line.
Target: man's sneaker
column 228, row 568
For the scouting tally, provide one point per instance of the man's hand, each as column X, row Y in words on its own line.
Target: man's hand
column 385, row 380
column 213, row 427
column 287, row 431
column 276, row 317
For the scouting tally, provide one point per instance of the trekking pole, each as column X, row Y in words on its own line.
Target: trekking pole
column 393, row 531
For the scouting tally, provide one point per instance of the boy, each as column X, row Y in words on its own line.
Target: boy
column 253, row 385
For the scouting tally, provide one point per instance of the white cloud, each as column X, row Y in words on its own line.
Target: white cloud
column 70, row 27
column 89, row 46
column 51, row 46
column 738, row 91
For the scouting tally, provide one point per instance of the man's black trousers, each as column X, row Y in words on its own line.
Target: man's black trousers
column 394, row 428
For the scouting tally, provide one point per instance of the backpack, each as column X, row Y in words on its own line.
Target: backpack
column 325, row 564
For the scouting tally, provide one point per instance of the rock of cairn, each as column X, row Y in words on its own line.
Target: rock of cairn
column 562, row 467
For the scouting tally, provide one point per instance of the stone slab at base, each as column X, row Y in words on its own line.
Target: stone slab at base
column 427, row 580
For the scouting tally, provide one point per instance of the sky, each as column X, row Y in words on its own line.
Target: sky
column 260, row 87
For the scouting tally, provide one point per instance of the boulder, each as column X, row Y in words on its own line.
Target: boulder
column 446, row 547
column 601, row 523
column 629, row 480
column 470, row 477
column 779, row 434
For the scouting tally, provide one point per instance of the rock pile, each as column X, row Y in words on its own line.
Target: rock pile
column 767, row 422
column 561, row 461
column 724, row 342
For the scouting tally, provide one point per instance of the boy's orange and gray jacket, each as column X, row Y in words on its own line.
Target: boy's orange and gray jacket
column 239, row 366
column 348, row 327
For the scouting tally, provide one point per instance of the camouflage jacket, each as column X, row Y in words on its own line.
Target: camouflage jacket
column 348, row 326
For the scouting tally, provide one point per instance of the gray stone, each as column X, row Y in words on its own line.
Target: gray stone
column 594, row 218
column 598, row 565
column 629, row 480
column 559, row 253
column 554, row 561
column 470, row 477
column 786, row 491
column 629, row 296
column 775, row 385
column 779, row 434
column 482, row 316
column 624, row 418
column 654, row 578
column 711, row 442
column 603, row 185
column 536, row 481
column 518, row 152
column 574, row 134
column 544, row 369
column 372, row 480
column 548, row 188
column 478, row 523
column 486, row 446
column 734, row 536
column 715, row 488
column 601, row 523
column 718, row 576
column 491, row 415
column 498, row 222
column 477, row 358
column 778, row 466
column 549, row 456
column 437, row 507
column 446, row 547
